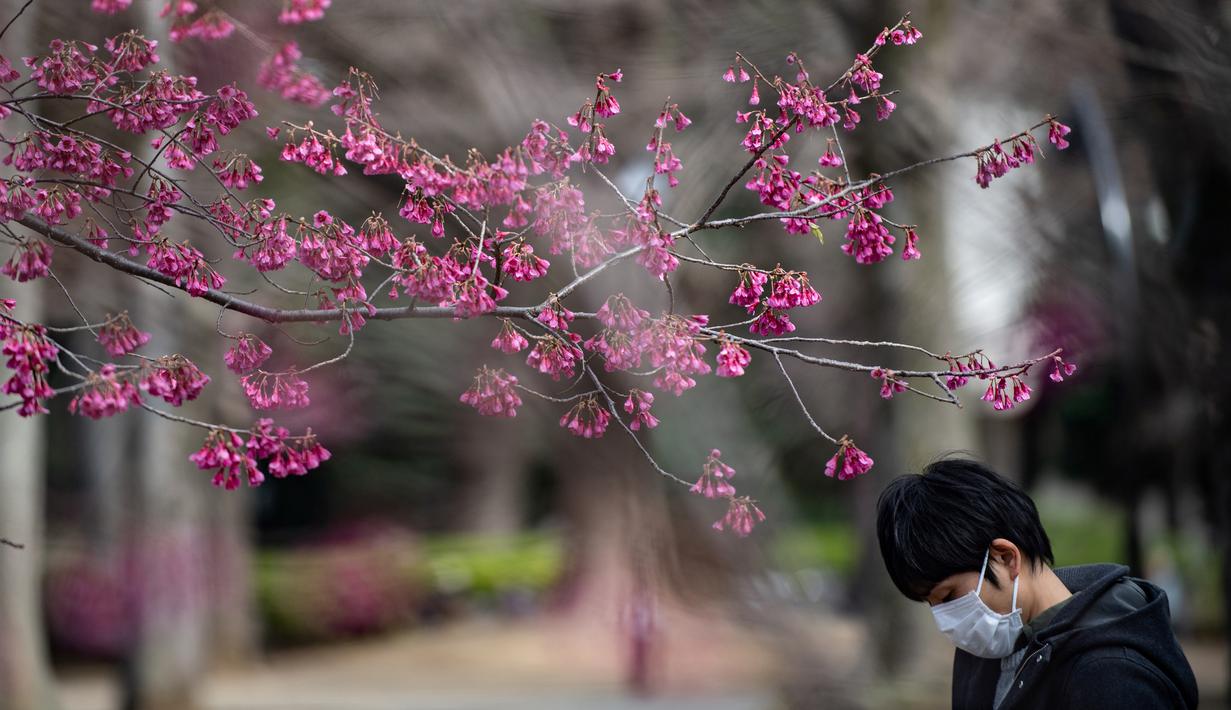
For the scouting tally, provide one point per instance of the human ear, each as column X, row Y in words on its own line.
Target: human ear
column 1008, row 555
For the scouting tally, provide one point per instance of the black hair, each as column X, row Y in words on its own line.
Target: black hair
column 940, row 522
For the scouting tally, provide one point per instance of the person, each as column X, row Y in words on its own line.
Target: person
column 970, row 544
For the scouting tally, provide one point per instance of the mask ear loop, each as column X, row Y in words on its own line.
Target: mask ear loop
column 979, row 587
column 1015, row 581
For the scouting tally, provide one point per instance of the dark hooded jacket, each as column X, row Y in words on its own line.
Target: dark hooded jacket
column 1110, row 646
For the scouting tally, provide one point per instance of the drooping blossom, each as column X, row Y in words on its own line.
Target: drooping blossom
column 830, row 159
column 751, row 287
column 715, row 480
column 110, row 7
column 890, row 384
column 30, row 260
column 791, row 289
column 555, row 357
column 281, row 74
column 225, row 452
column 1061, row 369
column 119, row 336
column 173, row 378
column 376, row 237
column 868, row 239
column 28, row 353
column 105, row 394
column 618, row 312
column 1003, row 397
column 275, row 390
column 587, row 419
column 638, row 404
column 522, row 263
column 742, row 515
column 493, row 393
column 247, row 354
column 673, row 348
column 297, row 11
column 772, row 323
column 912, row 245
column 732, row 359
column 238, row 171
column 1056, row 132
column 849, row 461
column 509, row 340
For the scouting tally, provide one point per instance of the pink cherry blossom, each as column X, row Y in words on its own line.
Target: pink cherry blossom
column 890, row 384
column 732, row 359
column 715, row 480
column 509, row 340
column 493, row 393
column 173, row 378
column 275, row 390
column 742, row 515
column 247, row 354
column 586, row 419
column 119, row 336
column 521, row 263
column 297, row 11
column 638, row 404
column 849, row 461
column 29, row 354
column 105, row 394
column 1061, row 369
column 30, row 260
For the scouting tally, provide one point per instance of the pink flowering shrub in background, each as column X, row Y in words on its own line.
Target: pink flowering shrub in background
column 466, row 240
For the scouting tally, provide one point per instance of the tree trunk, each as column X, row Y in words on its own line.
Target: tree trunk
column 25, row 672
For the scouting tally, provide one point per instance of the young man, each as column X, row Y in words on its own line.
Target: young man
column 970, row 544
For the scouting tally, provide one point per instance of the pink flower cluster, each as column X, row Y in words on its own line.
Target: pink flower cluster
column 187, row 22
column 665, row 162
column 742, row 515
column 273, row 390
column 521, row 263
column 586, row 419
column 1002, row 396
column 236, row 460
column 788, row 289
column 1061, row 369
column 110, row 7
column 29, row 354
column 282, row 75
column 715, row 480
column 555, row 356
column 732, row 359
column 67, row 68
column 174, row 379
column 297, row 11
column 493, row 393
column 673, row 349
column 509, row 340
column 105, row 394
column 331, row 248
column 247, row 354
column 849, row 461
column 119, row 336
column 238, row 171
column 638, row 404
column 890, row 384
column 186, row 265
column 903, row 33
column 30, row 260
column 995, row 162
column 314, row 154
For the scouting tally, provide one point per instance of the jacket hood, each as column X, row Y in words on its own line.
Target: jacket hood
column 1100, row 614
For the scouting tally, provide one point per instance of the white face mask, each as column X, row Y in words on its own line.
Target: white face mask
column 973, row 627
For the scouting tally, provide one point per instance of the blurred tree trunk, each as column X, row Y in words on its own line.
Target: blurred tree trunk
column 167, row 540
column 26, row 681
column 25, row 673
column 495, row 460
